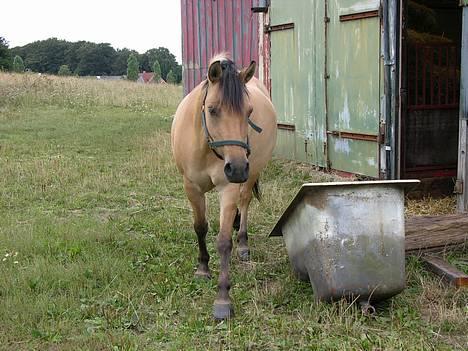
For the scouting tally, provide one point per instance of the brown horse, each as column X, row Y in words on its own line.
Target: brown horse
column 223, row 135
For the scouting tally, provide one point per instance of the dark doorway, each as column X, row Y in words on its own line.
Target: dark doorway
column 431, row 79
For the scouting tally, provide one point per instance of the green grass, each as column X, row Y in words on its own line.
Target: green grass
column 97, row 250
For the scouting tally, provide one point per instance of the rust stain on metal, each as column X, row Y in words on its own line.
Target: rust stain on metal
column 353, row 136
column 286, row 126
column 278, row 27
column 358, row 16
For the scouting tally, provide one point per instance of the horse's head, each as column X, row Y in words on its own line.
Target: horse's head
column 227, row 109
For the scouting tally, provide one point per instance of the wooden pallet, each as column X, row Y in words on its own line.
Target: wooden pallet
column 446, row 271
column 435, row 233
column 430, row 233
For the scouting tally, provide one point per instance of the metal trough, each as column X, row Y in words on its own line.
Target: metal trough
column 348, row 238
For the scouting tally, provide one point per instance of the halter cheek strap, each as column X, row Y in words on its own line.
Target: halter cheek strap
column 215, row 144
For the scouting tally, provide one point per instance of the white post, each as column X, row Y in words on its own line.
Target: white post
column 261, row 58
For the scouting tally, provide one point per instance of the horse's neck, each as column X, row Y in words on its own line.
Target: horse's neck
column 199, row 137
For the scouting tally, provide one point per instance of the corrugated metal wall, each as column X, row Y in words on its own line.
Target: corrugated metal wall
column 326, row 82
column 213, row 26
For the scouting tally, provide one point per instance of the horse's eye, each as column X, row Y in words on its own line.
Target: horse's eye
column 213, row 111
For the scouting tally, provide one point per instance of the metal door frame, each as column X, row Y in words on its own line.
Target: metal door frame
column 404, row 99
column 391, row 38
column 462, row 193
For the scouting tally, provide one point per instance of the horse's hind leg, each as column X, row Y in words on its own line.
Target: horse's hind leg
column 222, row 308
column 197, row 200
column 242, row 238
column 236, row 224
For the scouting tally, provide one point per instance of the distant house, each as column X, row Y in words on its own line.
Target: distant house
column 148, row 77
column 145, row 77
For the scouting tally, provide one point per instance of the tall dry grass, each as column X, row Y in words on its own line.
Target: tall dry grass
column 32, row 90
column 98, row 251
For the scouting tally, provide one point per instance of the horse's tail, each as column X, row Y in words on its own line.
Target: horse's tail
column 256, row 190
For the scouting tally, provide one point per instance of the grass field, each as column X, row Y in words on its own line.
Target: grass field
column 98, row 253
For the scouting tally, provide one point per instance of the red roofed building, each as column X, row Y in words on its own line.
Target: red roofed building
column 148, row 77
column 145, row 77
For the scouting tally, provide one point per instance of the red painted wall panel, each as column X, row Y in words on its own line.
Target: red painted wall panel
column 213, row 26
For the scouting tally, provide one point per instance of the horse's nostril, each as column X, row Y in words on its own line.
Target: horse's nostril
column 236, row 172
column 228, row 169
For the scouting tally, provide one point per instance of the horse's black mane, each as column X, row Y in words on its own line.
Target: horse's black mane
column 232, row 89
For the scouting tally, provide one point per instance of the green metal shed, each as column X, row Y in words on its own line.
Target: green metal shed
column 351, row 91
column 327, row 83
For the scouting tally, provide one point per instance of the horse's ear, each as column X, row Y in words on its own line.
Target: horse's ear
column 215, row 72
column 247, row 73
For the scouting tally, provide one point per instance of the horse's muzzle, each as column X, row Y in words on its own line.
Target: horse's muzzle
column 237, row 172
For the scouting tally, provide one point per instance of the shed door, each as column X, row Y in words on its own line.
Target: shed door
column 296, row 31
column 353, row 86
column 327, row 82
column 284, row 90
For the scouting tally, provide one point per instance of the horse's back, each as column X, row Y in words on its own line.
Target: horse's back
column 181, row 132
column 184, row 111
column 263, row 115
column 256, row 83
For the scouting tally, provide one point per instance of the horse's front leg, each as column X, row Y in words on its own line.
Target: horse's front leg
column 222, row 308
column 200, row 225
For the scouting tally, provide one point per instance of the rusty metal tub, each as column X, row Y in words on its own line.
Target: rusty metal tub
column 348, row 238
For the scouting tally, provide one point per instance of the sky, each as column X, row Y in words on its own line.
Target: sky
column 138, row 25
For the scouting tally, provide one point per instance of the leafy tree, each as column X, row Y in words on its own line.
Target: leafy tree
column 132, row 67
column 5, row 55
column 156, row 71
column 95, row 59
column 150, row 57
column 171, row 77
column 18, row 64
column 64, row 70
column 167, row 61
column 82, row 57
column 86, row 58
column 44, row 56
column 178, row 73
column 119, row 66
column 144, row 62
column 72, row 57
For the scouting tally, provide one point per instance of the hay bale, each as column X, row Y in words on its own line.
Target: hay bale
column 415, row 37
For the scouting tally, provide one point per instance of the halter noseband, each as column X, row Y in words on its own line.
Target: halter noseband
column 215, row 144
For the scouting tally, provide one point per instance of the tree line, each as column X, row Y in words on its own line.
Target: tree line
column 83, row 58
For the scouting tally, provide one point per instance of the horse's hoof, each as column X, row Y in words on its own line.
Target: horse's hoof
column 243, row 253
column 222, row 311
column 202, row 274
